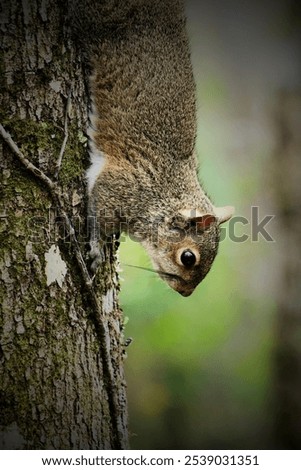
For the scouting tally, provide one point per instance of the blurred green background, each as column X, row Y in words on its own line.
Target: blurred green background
column 200, row 370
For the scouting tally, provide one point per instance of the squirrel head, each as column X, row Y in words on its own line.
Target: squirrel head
column 184, row 247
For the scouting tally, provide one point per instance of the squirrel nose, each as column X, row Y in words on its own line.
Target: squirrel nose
column 185, row 293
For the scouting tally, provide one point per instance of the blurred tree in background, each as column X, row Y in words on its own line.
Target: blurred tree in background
column 220, row 369
column 288, row 190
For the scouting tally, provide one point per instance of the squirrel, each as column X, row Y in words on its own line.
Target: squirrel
column 143, row 178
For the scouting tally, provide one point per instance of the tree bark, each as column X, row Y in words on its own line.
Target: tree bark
column 62, row 383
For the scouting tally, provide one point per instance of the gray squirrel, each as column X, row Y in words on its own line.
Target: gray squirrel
column 143, row 175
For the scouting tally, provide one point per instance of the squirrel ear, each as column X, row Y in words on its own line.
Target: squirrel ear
column 223, row 213
column 201, row 220
column 204, row 221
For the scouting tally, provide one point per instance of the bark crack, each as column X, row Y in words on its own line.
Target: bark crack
column 99, row 323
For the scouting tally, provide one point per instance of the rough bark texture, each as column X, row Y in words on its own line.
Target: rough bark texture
column 288, row 191
column 55, row 391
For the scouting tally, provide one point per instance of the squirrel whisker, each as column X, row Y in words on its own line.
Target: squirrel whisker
column 162, row 273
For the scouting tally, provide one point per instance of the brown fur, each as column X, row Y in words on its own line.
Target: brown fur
column 144, row 123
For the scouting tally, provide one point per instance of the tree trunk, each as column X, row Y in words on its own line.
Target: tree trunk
column 61, row 343
column 288, row 192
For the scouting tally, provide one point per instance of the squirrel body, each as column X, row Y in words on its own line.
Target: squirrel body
column 143, row 175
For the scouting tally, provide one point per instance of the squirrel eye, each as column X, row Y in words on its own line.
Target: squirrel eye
column 188, row 259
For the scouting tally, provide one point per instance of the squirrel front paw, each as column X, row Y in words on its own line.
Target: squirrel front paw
column 95, row 254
